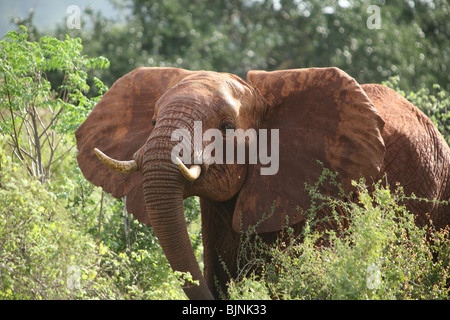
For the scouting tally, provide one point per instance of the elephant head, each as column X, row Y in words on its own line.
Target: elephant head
column 319, row 114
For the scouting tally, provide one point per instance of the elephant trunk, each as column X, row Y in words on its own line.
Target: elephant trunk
column 163, row 193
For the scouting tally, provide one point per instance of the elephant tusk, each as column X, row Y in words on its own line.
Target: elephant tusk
column 192, row 173
column 116, row 165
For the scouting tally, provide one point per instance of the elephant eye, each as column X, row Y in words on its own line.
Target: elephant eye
column 226, row 125
column 154, row 122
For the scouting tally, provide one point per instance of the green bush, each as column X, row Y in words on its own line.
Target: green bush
column 45, row 254
column 45, row 94
column 382, row 254
column 136, row 262
column 39, row 248
column 60, row 236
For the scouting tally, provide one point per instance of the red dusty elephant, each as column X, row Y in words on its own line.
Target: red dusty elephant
column 318, row 114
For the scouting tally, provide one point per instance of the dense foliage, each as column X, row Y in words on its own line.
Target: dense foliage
column 39, row 112
column 54, row 245
column 60, row 236
column 382, row 254
column 63, row 238
column 411, row 40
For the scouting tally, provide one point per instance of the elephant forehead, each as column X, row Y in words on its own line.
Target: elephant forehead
column 206, row 88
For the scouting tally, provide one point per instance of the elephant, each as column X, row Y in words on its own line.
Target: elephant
column 125, row 146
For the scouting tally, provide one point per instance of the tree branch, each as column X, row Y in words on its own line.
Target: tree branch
column 16, row 137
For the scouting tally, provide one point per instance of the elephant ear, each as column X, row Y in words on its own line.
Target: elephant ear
column 321, row 114
column 119, row 125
